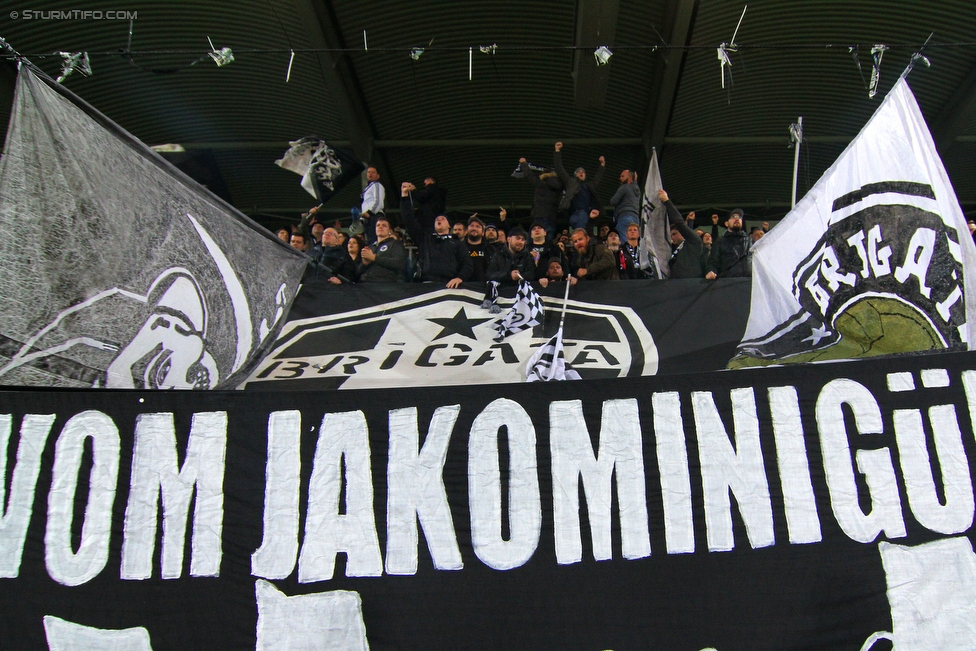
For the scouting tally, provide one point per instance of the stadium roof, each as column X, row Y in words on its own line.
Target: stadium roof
column 500, row 79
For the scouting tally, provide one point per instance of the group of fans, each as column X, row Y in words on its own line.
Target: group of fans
column 476, row 251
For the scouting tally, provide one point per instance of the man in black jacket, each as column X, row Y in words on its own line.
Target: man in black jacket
column 545, row 201
column 431, row 200
column 686, row 245
column 385, row 260
column 512, row 261
column 443, row 258
column 732, row 254
column 581, row 198
column 332, row 260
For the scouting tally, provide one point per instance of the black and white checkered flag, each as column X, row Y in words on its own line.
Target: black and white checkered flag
column 524, row 314
column 549, row 363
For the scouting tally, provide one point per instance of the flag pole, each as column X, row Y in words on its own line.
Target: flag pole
column 796, row 131
column 562, row 316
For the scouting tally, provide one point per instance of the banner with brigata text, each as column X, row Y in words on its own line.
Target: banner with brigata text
column 380, row 335
column 821, row 506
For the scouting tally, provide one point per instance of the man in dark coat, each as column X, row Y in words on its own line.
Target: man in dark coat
column 732, row 254
column 512, row 261
column 545, row 200
column 581, row 197
column 431, row 200
column 443, row 258
column 542, row 248
column 333, row 261
column 385, row 260
column 686, row 245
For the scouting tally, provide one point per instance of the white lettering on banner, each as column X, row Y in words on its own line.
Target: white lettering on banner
column 156, row 473
column 875, row 465
column 343, row 442
column 63, row 635
column 917, row 259
column 484, row 486
column 956, row 515
column 672, row 460
column 322, row 621
column 276, row 557
column 64, row 565
column 416, row 491
column 15, row 513
column 794, row 468
column 340, row 516
column 739, row 470
column 620, row 453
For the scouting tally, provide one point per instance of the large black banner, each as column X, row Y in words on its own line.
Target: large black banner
column 392, row 335
column 814, row 507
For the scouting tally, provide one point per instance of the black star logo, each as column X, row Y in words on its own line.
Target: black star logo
column 459, row 324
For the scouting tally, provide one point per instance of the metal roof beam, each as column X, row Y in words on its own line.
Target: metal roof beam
column 668, row 75
column 596, row 25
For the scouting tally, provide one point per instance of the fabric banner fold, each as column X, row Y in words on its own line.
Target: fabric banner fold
column 119, row 271
column 874, row 260
column 655, row 248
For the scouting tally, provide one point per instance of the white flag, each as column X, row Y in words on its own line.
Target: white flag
column 549, row 362
column 875, row 259
column 524, row 314
column 655, row 248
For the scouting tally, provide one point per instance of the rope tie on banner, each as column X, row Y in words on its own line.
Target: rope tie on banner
column 918, row 56
column 877, row 53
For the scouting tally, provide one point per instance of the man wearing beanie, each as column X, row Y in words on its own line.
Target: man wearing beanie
column 732, row 254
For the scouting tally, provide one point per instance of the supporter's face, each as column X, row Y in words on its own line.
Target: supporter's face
column 298, row 242
column 516, row 243
column 330, row 237
column 491, row 234
column 757, row 235
column 372, row 174
column 459, row 231
column 317, row 232
column 581, row 175
column 613, row 241
column 706, row 238
column 676, row 237
column 734, row 223
column 633, row 232
column 475, row 230
column 284, row 235
column 580, row 241
column 500, row 238
column 441, row 225
column 625, row 176
column 604, row 231
column 382, row 229
column 555, row 270
column 538, row 235
column 353, row 245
